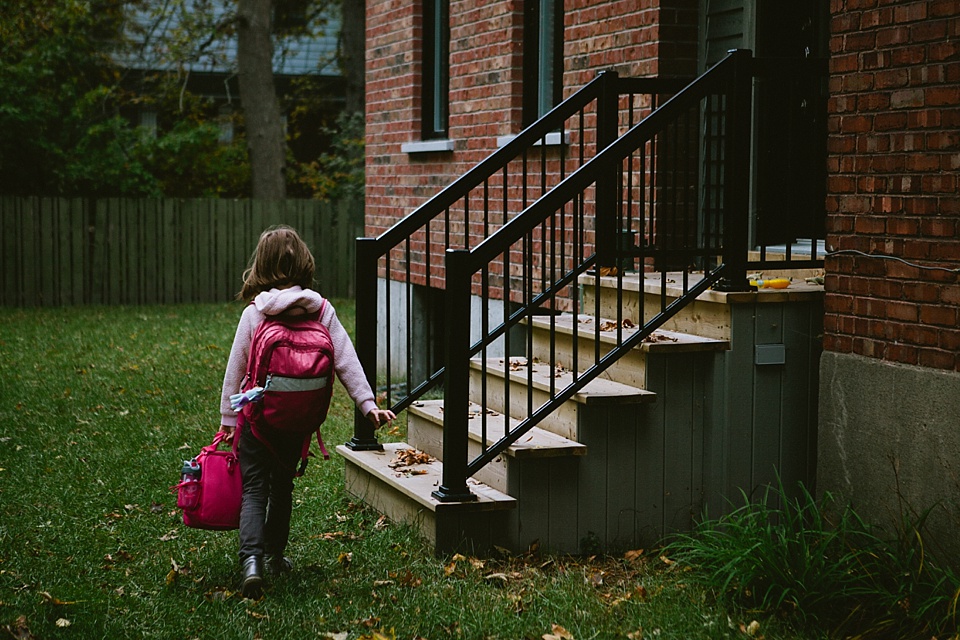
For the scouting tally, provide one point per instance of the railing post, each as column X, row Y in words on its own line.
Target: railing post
column 607, row 125
column 736, row 172
column 456, row 391
column 364, row 433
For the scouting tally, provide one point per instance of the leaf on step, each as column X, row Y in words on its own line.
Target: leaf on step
column 518, row 363
column 610, row 325
column 409, row 457
column 660, row 337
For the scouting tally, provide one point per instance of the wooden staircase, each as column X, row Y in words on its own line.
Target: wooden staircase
column 639, row 452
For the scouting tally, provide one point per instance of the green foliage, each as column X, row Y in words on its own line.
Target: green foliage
column 69, row 113
column 783, row 554
column 62, row 125
column 51, row 64
column 338, row 173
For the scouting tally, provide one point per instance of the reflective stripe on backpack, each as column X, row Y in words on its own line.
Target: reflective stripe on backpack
column 283, row 383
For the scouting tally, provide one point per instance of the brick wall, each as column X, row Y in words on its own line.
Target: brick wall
column 893, row 166
column 486, row 81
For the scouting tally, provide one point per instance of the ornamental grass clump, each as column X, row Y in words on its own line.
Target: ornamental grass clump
column 821, row 566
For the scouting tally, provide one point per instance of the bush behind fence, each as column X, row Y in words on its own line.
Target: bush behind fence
column 59, row 252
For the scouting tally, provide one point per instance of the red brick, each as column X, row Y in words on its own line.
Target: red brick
column 937, row 359
column 893, row 36
column 942, row 96
column 906, row 354
column 929, row 30
column 940, row 316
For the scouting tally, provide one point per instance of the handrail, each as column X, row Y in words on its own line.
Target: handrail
column 490, row 165
column 530, row 217
column 525, row 158
column 464, row 266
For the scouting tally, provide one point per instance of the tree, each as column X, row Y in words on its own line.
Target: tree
column 353, row 52
column 264, row 122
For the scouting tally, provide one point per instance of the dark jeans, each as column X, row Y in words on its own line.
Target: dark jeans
column 267, row 493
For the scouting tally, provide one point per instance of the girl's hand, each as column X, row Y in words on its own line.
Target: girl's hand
column 227, row 429
column 380, row 416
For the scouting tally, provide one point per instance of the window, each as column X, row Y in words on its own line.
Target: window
column 542, row 57
column 436, row 68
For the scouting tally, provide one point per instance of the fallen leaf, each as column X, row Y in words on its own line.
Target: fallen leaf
column 408, row 458
column 633, row 556
column 558, row 633
column 594, row 578
column 258, row 616
column 344, row 559
column 752, row 630
column 49, row 599
column 406, row 579
column 19, row 629
column 219, row 594
column 334, row 635
column 63, row 623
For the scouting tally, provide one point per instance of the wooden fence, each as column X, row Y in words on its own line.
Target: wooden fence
column 60, row 252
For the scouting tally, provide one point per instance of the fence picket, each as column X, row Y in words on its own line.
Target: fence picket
column 60, row 251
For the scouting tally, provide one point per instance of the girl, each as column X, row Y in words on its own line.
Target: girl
column 278, row 281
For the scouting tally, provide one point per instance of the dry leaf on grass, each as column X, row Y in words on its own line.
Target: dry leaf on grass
column 558, row 633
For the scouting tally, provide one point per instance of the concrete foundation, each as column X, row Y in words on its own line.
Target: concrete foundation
column 889, row 443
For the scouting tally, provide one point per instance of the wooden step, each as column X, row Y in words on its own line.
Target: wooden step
column 630, row 369
column 565, row 420
column 404, row 494
column 425, row 432
column 709, row 315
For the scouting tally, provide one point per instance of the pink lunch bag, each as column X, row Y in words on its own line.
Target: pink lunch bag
column 212, row 501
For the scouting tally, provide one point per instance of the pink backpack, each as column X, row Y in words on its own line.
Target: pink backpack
column 289, row 380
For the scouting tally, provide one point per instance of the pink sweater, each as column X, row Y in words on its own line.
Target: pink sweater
column 277, row 301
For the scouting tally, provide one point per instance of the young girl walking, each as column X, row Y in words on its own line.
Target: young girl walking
column 278, row 281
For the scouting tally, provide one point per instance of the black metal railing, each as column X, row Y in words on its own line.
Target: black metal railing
column 651, row 188
column 641, row 194
column 400, row 314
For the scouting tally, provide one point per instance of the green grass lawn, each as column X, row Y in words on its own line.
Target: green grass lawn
column 99, row 406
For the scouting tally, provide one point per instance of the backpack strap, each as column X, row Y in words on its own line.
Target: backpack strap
column 305, row 454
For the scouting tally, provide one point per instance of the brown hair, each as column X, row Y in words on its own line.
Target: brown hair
column 280, row 259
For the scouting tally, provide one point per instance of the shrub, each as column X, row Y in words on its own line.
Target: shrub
column 783, row 554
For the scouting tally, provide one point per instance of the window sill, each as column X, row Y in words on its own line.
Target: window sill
column 553, row 139
column 427, row 146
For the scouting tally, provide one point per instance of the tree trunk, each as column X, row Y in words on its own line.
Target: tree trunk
column 265, row 135
column 353, row 52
